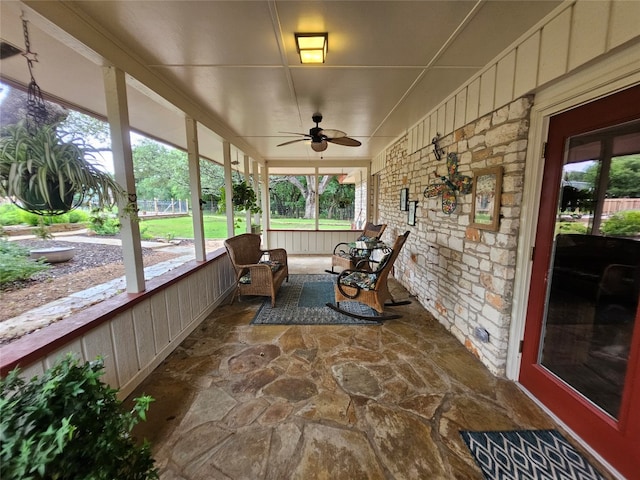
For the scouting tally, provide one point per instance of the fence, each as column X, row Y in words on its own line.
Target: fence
column 163, row 207
column 613, row 205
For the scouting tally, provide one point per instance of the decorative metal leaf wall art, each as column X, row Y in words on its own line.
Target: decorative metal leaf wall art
column 449, row 185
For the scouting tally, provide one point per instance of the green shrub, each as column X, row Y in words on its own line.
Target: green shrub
column 12, row 248
column 104, row 223
column 78, row 216
column 67, row 424
column 43, row 232
column 35, row 220
column 15, row 263
column 10, row 214
column 144, row 233
column 626, row 223
column 571, row 227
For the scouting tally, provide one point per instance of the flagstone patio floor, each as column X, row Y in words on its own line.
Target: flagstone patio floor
column 237, row 401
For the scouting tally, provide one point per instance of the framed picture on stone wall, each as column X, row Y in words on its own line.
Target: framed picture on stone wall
column 404, row 199
column 485, row 205
column 411, row 216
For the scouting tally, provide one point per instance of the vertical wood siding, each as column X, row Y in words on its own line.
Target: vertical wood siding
column 138, row 339
column 312, row 242
column 567, row 39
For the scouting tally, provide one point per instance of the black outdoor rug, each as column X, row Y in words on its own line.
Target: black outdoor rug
column 528, row 455
column 302, row 301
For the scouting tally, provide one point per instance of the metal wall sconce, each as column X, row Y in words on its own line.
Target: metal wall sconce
column 312, row 47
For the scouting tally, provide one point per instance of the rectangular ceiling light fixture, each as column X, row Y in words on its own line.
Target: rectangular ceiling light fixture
column 312, row 47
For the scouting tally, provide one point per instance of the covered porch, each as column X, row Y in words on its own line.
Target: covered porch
column 234, row 400
column 485, row 86
column 240, row 401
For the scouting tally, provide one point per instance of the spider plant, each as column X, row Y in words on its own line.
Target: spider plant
column 49, row 171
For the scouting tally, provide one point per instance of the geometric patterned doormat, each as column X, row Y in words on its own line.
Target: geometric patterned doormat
column 528, row 454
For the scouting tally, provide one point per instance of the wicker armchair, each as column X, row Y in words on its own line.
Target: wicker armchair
column 369, row 287
column 256, row 275
column 348, row 258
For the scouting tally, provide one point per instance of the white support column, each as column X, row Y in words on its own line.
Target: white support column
column 264, row 171
column 372, row 199
column 256, row 183
column 228, row 187
column 247, row 181
column 193, row 154
column 118, row 115
column 316, row 213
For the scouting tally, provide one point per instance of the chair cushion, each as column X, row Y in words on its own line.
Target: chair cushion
column 371, row 240
column 274, row 265
column 384, row 259
column 364, row 280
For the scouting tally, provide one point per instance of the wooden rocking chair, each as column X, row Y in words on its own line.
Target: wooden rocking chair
column 347, row 257
column 369, row 287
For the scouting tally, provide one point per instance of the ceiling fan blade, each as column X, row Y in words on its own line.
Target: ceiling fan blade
column 329, row 133
column 293, row 141
column 296, row 133
column 346, row 141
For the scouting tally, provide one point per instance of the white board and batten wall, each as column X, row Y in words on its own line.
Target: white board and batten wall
column 137, row 339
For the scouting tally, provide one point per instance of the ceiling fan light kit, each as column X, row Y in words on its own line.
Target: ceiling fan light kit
column 312, row 47
column 320, row 146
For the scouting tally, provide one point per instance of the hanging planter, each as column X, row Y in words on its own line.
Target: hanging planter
column 49, row 172
column 61, row 200
column 244, row 198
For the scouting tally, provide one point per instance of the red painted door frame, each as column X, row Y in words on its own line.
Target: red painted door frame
column 617, row 441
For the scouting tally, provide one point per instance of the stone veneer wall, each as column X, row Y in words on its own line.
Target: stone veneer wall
column 462, row 275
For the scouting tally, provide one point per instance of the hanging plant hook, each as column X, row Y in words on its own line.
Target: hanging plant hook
column 37, row 114
column 437, row 149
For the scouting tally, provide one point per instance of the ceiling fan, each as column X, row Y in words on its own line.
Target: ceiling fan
column 321, row 137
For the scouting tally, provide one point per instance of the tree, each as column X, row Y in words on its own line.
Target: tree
column 211, row 180
column 14, row 107
column 286, row 199
column 95, row 131
column 624, row 176
column 306, row 184
column 336, row 196
column 162, row 172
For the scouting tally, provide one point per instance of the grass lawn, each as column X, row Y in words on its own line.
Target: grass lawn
column 215, row 226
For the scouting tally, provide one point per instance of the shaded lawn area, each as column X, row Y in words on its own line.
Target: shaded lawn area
column 215, row 226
